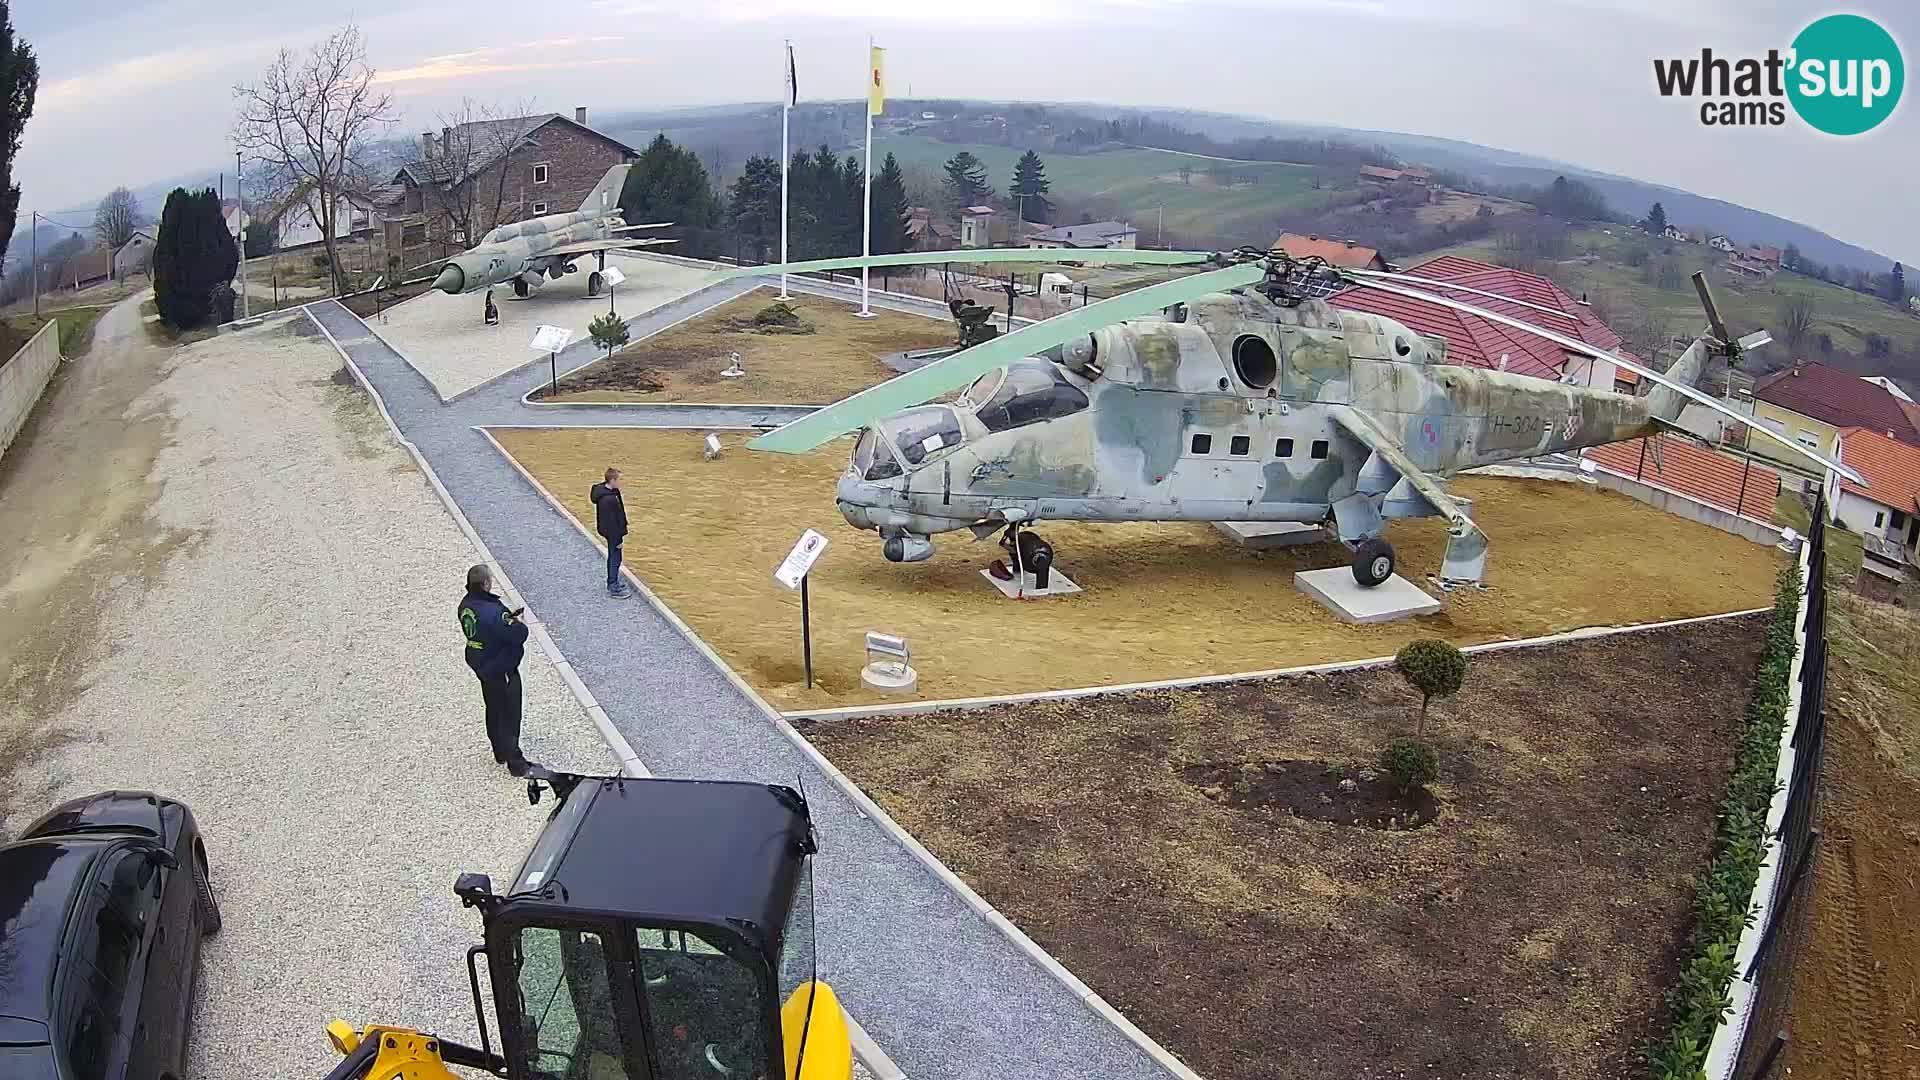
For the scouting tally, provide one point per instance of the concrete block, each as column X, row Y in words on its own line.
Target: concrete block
column 1394, row 598
column 1267, row 535
column 1058, row 584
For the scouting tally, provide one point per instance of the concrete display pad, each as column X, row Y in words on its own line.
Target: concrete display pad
column 444, row 338
column 1394, row 598
column 1058, row 584
column 1266, row 535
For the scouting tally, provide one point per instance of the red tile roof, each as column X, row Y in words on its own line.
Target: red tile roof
column 1836, row 397
column 1890, row 466
column 1686, row 467
column 1335, row 252
column 1477, row 341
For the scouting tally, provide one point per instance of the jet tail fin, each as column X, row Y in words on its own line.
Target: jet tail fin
column 605, row 197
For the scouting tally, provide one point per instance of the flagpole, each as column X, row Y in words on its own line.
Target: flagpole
column 786, row 109
column 866, row 226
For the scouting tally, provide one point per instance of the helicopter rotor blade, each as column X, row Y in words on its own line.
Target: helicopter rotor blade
column 954, row 371
column 1430, row 283
column 1645, row 372
column 1713, row 310
column 1101, row 256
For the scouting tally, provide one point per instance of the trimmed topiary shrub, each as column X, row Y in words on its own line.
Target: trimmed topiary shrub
column 1410, row 764
column 1433, row 667
column 609, row 331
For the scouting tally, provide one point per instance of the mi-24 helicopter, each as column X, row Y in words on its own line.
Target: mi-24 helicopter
column 1234, row 394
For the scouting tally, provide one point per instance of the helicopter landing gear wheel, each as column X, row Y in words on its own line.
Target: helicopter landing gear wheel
column 520, row 288
column 1372, row 562
column 1029, row 551
column 594, row 283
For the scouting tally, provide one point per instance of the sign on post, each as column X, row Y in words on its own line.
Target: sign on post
column 801, row 559
column 612, row 275
column 549, row 339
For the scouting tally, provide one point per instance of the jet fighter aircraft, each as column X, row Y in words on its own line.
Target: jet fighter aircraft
column 528, row 253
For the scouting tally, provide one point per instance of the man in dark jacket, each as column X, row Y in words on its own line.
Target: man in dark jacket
column 496, row 640
column 610, row 517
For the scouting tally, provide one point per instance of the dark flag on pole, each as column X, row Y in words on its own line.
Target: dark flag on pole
column 793, row 81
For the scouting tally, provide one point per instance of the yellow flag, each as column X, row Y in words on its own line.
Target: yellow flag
column 877, row 89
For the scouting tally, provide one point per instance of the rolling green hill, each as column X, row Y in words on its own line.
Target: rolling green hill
column 1140, row 181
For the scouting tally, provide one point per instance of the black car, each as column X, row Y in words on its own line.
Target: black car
column 102, row 905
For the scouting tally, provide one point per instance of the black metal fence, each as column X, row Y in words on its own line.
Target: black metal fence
column 1771, row 971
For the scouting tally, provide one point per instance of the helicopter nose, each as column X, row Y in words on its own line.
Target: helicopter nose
column 452, row 279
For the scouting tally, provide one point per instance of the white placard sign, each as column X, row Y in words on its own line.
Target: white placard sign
column 800, row 559
column 612, row 275
column 550, row 339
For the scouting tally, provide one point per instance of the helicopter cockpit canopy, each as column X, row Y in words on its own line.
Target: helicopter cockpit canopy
column 1024, row 392
column 921, row 434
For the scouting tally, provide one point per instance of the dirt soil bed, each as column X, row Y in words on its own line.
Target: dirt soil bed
column 1528, row 932
column 1162, row 601
column 1855, row 1010
column 838, row 356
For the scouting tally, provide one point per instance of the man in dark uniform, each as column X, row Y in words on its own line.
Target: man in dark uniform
column 496, row 640
column 610, row 518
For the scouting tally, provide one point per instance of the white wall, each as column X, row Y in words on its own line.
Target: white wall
column 1856, row 513
column 24, row 377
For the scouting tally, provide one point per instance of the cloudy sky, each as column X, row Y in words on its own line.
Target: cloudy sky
column 134, row 91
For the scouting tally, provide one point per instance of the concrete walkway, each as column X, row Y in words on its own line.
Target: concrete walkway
column 943, row 993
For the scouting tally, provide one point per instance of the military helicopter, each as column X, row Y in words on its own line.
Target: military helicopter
column 1235, row 394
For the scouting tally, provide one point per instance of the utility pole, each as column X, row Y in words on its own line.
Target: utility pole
column 1160, row 226
column 246, row 310
column 33, row 230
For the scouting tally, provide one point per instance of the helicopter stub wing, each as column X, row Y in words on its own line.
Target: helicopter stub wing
column 1574, row 344
column 1361, row 427
column 963, row 367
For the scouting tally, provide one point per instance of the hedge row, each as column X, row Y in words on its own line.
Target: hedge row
column 1724, row 889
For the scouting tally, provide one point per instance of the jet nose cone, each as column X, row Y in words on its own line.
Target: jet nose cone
column 452, row 279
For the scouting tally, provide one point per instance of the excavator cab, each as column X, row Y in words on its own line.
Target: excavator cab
column 658, row 930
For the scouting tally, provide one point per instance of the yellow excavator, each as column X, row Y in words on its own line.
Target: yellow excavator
column 658, row 930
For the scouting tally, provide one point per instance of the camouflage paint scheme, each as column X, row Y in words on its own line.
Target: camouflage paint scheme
column 1235, row 408
column 543, row 247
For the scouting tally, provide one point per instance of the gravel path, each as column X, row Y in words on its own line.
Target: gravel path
column 944, row 993
column 446, row 339
column 294, row 675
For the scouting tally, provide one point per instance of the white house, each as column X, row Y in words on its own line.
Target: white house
column 1672, row 232
column 976, row 227
column 1097, row 234
column 135, row 256
column 298, row 220
column 1720, row 243
column 1886, row 513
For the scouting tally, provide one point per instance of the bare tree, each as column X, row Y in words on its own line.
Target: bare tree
column 1796, row 320
column 309, row 120
column 116, row 217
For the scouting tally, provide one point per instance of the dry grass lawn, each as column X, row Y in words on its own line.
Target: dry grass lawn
column 841, row 356
column 1162, row 600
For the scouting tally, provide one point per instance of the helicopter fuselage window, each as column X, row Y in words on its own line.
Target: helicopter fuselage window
column 1030, row 392
column 1202, row 443
column 1239, row 445
column 1319, row 449
column 1283, row 448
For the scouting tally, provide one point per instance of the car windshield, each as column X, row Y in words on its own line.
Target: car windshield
column 925, row 432
column 1033, row 390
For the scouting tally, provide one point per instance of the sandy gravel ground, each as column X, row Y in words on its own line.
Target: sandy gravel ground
column 284, row 657
column 444, row 338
